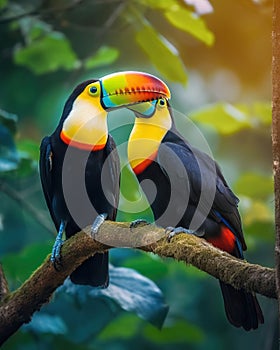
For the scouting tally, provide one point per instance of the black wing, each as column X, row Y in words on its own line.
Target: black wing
column 206, row 184
column 113, row 178
column 45, row 167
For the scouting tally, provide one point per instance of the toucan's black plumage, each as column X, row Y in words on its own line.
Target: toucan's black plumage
column 80, row 166
column 190, row 191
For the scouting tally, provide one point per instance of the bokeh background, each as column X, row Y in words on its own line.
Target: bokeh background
column 216, row 58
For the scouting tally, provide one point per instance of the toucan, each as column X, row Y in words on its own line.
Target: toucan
column 79, row 163
column 188, row 193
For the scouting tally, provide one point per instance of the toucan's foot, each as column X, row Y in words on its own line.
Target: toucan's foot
column 97, row 223
column 56, row 250
column 138, row 222
column 173, row 231
column 56, row 254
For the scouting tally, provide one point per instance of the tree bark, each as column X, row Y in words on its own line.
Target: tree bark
column 18, row 307
column 4, row 288
column 276, row 133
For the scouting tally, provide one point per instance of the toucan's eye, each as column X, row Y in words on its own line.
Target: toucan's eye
column 161, row 102
column 93, row 90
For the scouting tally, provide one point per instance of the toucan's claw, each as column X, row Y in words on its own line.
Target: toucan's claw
column 56, row 250
column 173, row 231
column 97, row 223
column 56, row 256
column 138, row 222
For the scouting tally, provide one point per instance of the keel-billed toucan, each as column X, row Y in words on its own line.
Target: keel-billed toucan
column 186, row 189
column 79, row 165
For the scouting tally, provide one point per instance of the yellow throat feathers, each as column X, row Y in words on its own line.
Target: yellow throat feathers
column 86, row 125
column 146, row 137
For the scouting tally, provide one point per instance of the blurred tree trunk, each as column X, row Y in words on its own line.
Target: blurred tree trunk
column 276, row 132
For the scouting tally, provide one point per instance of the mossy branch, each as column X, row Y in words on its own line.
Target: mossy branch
column 18, row 307
column 4, row 288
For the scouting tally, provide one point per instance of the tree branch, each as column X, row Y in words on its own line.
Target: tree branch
column 17, row 308
column 4, row 288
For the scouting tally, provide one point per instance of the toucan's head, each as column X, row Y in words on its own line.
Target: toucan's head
column 83, row 123
column 157, row 113
column 153, row 121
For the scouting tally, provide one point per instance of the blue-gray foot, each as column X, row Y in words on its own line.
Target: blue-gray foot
column 173, row 231
column 97, row 223
column 138, row 222
column 56, row 250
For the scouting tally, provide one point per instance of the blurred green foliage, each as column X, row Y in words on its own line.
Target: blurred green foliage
column 46, row 48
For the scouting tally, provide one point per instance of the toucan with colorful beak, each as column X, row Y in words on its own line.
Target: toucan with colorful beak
column 187, row 191
column 79, row 164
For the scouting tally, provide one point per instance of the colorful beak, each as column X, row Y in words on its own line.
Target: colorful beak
column 128, row 88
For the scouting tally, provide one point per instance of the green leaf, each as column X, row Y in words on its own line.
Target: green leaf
column 263, row 112
column 253, row 210
column 133, row 203
column 158, row 4
column 260, row 113
column 9, row 120
column 130, row 290
column 35, row 28
column 190, row 23
column 228, row 119
column 225, row 118
column 136, row 293
column 8, row 153
column 129, row 184
column 104, row 56
column 82, row 315
column 28, row 149
column 162, row 54
column 255, row 186
column 180, row 332
column 3, row 3
column 44, row 323
column 47, row 54
column 123, row 328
